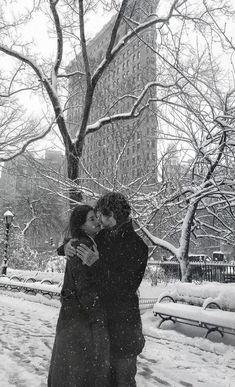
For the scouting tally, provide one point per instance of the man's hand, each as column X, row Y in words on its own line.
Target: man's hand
column 88, row 256
column 69, row 250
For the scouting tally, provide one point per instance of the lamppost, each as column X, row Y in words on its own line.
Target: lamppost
column 8, row 217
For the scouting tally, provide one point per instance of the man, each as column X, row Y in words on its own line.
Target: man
column 123, row 258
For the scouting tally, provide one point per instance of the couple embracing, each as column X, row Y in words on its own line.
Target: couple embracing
column 99, row 331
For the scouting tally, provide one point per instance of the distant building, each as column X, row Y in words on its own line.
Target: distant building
column 27, row 180
column 23, row 175
column 122, row 152
column 17, row 179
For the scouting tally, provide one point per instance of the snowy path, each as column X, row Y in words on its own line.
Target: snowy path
column 169, row 359
column 172, row 363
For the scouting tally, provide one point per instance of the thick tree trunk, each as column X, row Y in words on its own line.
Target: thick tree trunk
column 185, row 242
column 185, row 269
column 75, row 195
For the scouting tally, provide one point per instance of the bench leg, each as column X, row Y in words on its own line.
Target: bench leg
column 214, row 329
column 164, row 318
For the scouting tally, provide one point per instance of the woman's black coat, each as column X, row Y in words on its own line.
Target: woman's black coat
column 80, row 355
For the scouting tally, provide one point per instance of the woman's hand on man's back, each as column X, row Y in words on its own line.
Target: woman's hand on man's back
column 88, row 256
column 69, row 250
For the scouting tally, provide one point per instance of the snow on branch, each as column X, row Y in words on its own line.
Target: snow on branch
column 133, row 113
column 23, row 58
column 113, row 50
column 59, row 37
column 72, row 74
column 26, row 144
column 157, row 241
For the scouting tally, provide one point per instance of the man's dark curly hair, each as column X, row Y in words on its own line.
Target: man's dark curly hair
column 114, row 202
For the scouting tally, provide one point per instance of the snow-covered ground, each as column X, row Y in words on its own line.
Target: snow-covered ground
column 177, row 356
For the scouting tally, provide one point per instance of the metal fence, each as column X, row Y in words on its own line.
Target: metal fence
column 199, row 271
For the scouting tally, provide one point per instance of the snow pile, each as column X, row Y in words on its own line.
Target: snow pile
column 225, row 300
column 222, row 294
column 37, row 298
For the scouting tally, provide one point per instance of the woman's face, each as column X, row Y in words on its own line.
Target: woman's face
column 91, row 226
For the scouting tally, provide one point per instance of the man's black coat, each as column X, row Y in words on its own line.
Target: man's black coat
column 123, row 259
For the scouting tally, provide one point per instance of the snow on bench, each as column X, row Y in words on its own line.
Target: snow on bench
column 222, row 295
column 30, row 285
column 211, row 319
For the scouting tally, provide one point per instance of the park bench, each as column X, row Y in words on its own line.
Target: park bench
column 211, row 319
column 207, row 306
column 223, row 295
column 31, row 286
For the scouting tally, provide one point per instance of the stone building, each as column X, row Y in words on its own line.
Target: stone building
column 119, row 153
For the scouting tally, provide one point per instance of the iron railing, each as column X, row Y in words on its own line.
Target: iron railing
column 199, row 271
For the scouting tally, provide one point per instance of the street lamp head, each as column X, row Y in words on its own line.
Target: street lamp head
column 8, row 217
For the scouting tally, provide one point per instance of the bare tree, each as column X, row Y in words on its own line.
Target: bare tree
column 46, row 76
column 197, row 117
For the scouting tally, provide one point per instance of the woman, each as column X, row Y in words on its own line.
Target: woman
column 80, row 356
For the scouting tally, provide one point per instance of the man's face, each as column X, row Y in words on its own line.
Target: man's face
column 106, row 221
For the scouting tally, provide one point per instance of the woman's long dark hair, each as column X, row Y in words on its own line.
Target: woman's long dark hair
column 78, row 218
